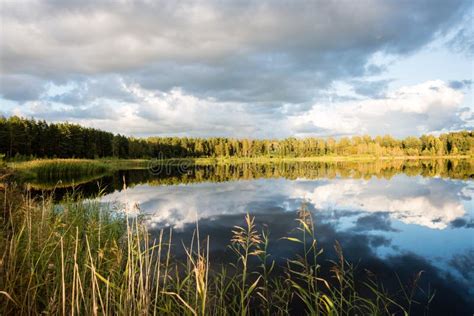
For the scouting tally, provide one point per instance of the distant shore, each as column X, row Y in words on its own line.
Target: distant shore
column 122, row 164
column 219, row 160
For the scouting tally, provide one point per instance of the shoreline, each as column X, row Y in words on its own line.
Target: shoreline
column 312, row 159
column 117, row 164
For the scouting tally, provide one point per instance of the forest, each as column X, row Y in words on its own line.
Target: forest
column 22, row 138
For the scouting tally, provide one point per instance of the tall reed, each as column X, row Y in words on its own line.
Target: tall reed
column 54, row 169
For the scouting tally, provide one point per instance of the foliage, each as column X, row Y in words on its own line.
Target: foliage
column 26, row 138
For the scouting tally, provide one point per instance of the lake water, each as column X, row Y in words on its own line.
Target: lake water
column 392, row 218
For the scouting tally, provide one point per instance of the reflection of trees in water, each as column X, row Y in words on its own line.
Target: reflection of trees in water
column 457, row 169
column 171, row 175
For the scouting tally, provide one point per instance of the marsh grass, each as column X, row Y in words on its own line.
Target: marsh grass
column 80, row 258
column 51, row 174
column 50, row 169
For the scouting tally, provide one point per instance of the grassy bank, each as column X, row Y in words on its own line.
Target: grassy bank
column 88, row 166
column 362, row 158
column 66, row 169
column 83, row 259
column 57, row 168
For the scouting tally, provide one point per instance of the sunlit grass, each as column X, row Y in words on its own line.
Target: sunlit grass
column 60, row 168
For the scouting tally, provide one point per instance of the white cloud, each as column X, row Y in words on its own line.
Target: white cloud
column 427, row 107
column 410, row 110
column 176, row 112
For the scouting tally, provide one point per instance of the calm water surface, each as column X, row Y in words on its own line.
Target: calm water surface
column 391, row 218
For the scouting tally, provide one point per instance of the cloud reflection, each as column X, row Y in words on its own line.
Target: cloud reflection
column 433, row 203
column 405, row 224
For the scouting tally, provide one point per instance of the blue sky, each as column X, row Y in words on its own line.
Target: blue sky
column 245, row 69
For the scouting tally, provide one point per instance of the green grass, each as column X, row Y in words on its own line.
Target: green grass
column 88, row 165
column 64, row 172
column 126, row 164
column 80, row 258
column 141, row 163
column 58, row 168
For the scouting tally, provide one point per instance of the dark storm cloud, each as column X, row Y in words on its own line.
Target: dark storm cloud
column 460, row 84
column 462, row 223
column 463, row 39
column 373, row 89
column 21, row 87
column 380, row 241
column 247, row 51
column 377, row 221
column 84, row 91
column 50, row 112
column 463, row 263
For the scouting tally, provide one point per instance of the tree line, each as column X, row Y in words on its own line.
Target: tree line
column 30, row 138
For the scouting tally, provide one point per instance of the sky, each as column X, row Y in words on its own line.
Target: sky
column 258, row 69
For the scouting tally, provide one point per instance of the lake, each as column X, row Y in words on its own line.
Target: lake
column 394, row 218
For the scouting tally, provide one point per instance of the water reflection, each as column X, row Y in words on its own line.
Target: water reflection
column 433, row 203
column 169, row 175
column 382, row 251
column 403, row 224
column 429, row 202
column 402, row 216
